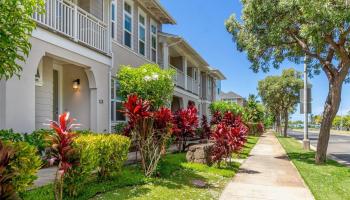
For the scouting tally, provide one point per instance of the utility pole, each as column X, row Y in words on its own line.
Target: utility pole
column 306, row 141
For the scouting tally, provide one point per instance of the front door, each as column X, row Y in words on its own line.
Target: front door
column 55, row 90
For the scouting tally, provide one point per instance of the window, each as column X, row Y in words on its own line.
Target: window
column 127, row 25
column 116, row 103
column 154, row 42
column 39, row 75
column 142, row 33
column 113, row 20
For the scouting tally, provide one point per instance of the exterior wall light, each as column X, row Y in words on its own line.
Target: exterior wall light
column 76, row 84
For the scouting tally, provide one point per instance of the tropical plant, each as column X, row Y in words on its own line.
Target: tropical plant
column 229, row 136
column 186, row 121
column 26, row 162
column 150, row 129
column 205, row 128
column 38, row 138
column 273, row 31
column 149, row 82
column 16, row 28
column 10, row 135
column 62, row 150
column 7, row 189
column 223, row 106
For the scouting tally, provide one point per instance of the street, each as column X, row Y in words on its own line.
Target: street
column 339, row 145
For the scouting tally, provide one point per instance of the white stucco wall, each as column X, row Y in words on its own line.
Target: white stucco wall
column 20, row 93
column 77, row 102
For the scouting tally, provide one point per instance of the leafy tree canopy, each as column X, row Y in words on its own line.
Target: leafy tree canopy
column 16, row 26
column 272, row 31
column 147, row 81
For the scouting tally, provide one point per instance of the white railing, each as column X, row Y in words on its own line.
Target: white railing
column 179, row 78
column 192, row 85
column 68, row 19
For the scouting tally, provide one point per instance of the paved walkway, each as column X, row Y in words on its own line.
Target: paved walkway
column 267, row 175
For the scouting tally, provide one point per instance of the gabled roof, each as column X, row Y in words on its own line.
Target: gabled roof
column 217, row 73
column 178, row 40
column 230, row 95
column 158, row 11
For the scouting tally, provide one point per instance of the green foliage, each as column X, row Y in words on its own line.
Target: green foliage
column 223, row 107
column 9, row 135
column 105, row 153
column 303, row 27
column 253, row 111
column 16, row 25
column 26, row 163
column 119, row 127
column 147, row 81
column 38, row 139
column 280, row 94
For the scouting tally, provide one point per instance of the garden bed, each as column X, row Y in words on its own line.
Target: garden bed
column 174, row 176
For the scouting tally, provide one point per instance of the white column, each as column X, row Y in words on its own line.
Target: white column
column 165, row 55
column 184, row 65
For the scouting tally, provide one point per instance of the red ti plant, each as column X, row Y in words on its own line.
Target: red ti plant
column 62, row 150
column 216, row 118
column 186, row 121
column 205, row 128
column 150, row 129
column 7, row 189
column 229, row 136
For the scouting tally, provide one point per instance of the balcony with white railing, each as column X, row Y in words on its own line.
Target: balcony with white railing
column 192, row 85
column 75, row 23
column 179, row 80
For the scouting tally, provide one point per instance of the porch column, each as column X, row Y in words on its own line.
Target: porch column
column 93, row 109
column 184, row 65
column 165, row 55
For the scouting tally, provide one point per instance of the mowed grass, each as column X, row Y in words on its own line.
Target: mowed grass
column 330, row 181
column 174, row 180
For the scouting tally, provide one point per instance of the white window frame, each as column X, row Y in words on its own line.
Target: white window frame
column 39, row 81
column 114, row 101
column 114, row 3
column 153, row 23
column 132, row 23
column 144, row 26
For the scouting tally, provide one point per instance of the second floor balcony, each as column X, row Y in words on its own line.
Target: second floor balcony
column 185, row 82
column 75, row 23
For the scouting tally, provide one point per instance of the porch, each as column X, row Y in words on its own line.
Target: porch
column 82, row 21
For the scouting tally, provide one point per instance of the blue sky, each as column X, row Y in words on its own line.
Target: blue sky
column 201, row 23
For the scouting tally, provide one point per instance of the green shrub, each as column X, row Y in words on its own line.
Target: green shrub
column 38, row 138
column 25, row 163
column 147, row 81
column 9, row 135
column 119, row 127
column 105, row 153
column 83, row 132
column 222, row 107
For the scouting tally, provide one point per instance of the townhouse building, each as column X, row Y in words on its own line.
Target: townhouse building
column 233, row 97
column 77, row 49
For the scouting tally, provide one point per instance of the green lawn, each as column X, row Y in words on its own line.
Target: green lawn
column 174, row 181
column 327, row 182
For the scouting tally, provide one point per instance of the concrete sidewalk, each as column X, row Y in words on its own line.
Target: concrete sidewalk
column 267, row 174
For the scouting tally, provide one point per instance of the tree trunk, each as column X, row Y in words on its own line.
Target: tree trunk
column 285, row 123
column 278, row 124
column 330, row 110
